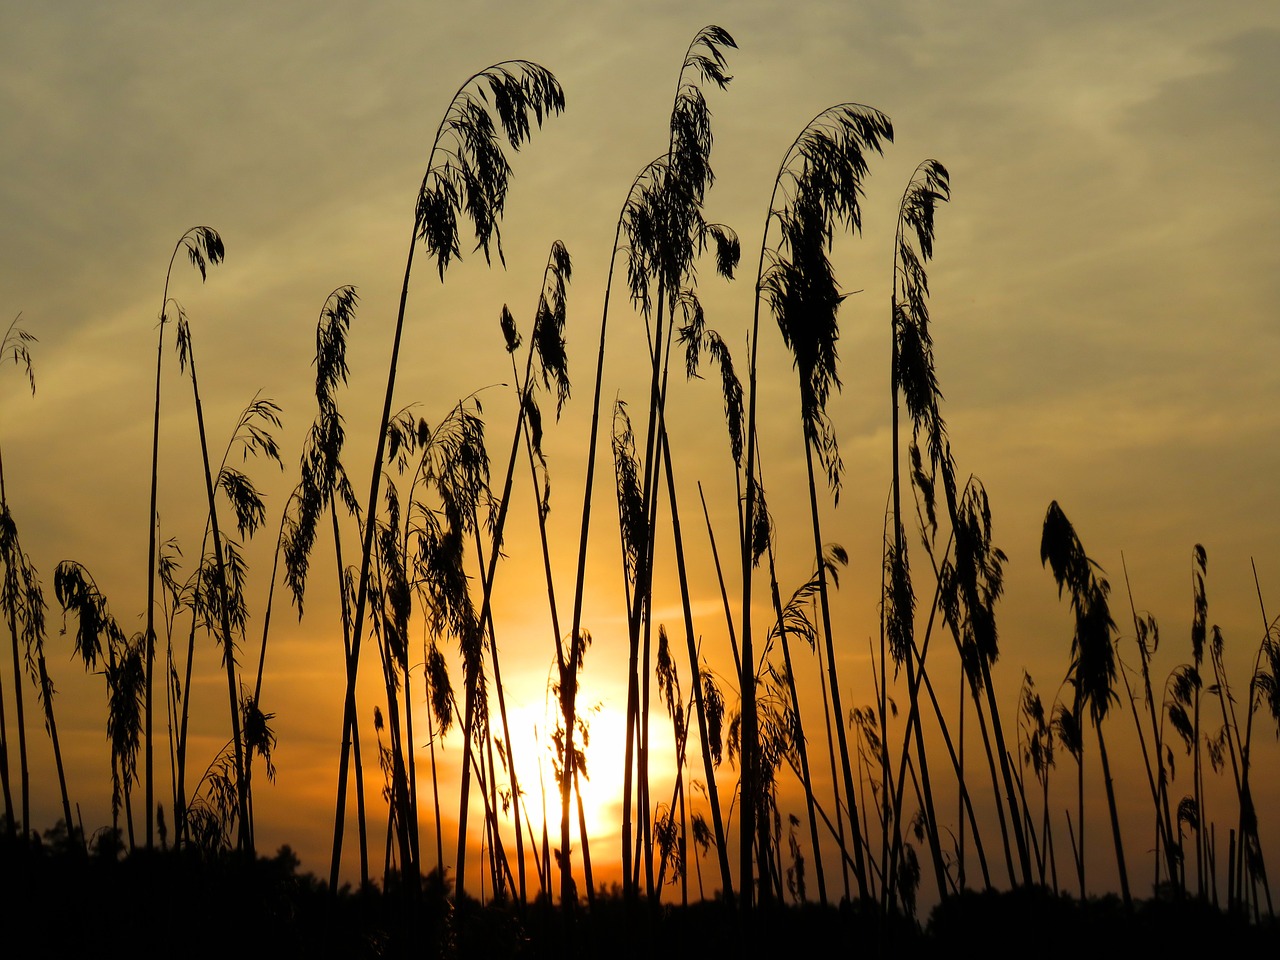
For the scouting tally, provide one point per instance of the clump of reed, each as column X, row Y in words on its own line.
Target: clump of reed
column 431, row 529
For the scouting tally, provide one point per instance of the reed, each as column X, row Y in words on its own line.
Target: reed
column 819, row 183
column 204, row 248
column 467, row 176
column 1093, row 667
column 665, row 230
column 16, row 345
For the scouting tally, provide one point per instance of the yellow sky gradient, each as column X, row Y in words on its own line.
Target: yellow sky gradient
column 1104, row 302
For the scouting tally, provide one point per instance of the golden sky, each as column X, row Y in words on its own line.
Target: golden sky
column 1104, row 301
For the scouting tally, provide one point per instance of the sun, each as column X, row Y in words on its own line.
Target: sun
column 533, row 744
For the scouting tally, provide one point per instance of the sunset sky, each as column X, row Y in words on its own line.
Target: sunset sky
column 1106, row 308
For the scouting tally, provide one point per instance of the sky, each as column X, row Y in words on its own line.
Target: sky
column 1104, row 302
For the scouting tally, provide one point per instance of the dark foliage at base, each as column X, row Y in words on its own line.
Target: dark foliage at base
column 152, row 904
column 177, row 904
column 1034, row 923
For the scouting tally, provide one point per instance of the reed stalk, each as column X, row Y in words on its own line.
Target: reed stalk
column 204, row 248
column 244, row 839
column 467, row 173
column 1092, row 650
column 819, row 182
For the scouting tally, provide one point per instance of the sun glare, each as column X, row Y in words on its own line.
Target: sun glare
column 533, row 742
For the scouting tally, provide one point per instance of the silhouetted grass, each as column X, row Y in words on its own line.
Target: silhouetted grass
column 433, row 533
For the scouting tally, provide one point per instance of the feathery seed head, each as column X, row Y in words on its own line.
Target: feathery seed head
column 468, row 173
